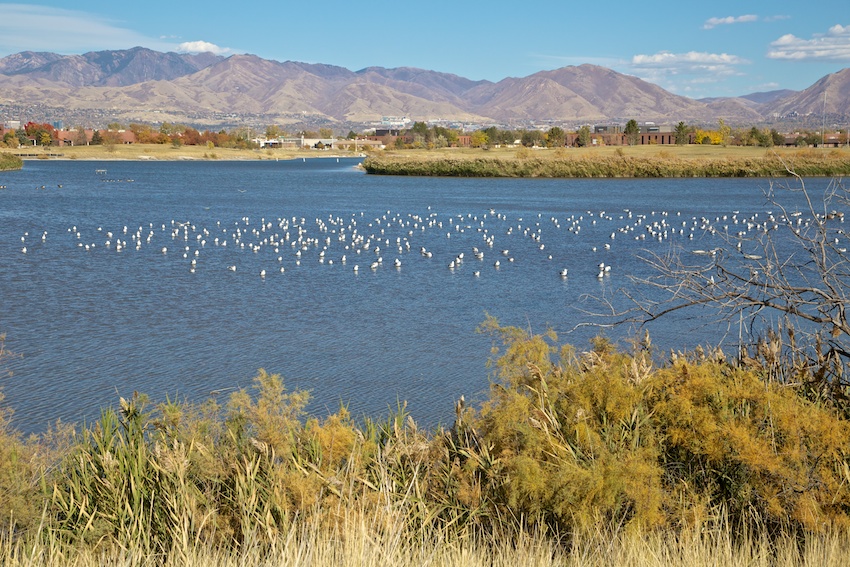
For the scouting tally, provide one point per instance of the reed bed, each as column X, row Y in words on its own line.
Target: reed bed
column 10, row 161
column 361, row 545
column 601, row 457
column 561, row 164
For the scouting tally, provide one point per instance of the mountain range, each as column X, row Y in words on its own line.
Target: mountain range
column 143, row 85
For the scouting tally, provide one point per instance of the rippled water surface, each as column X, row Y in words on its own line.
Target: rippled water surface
column 92, row 322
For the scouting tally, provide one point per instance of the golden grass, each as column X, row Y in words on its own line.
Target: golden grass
column 361, row 544
column 623, row 161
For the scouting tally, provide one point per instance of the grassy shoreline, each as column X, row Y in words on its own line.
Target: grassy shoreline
column 167, row 152
column 9, row 162
column 643, row 162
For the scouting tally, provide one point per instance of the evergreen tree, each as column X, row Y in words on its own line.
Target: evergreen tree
column 632, row 132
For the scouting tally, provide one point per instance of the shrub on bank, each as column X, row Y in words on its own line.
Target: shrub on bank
column 566, row 442
column 10, row 161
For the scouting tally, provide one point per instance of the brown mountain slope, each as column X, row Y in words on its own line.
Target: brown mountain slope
column 26, row 62
column 104, row 68
column 365, row 101
column 532, row 98
column 734, row 110
column 586, row 92
column 141, row 84
column 827, row 96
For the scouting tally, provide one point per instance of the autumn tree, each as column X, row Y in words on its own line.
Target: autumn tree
column 450, row 136
column 43, row 134
column 725, row 132
column 555, row 137
column 479, row 139
column 190, row 137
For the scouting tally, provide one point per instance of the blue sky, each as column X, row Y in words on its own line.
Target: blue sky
column 697, row 49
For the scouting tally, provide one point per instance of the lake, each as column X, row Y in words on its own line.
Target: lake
column 147, row 276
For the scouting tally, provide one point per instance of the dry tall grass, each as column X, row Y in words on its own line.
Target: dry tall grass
column 609, row 162
column 360, row 544
column 595, row 458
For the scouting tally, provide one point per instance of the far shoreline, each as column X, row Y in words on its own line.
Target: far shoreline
column 650, row 161
column 159, row 152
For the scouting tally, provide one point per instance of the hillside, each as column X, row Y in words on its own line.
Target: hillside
column 140, row 84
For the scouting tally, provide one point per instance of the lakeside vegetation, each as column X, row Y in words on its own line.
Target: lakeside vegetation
column 9, row 161
column 166, row 152
column 575, row 458
column 645, row 161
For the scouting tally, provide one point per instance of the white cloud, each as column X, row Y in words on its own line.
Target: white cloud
column 834, row 45
column 202, row 47
column 692, row 62
column 686, row 72
column 713, row 22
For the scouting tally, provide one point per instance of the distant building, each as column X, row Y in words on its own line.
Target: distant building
column 73, row 137
column 395, row 122
column 612, row 135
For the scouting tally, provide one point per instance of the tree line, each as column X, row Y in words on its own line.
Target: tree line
column 418, row 136
column 421, row 136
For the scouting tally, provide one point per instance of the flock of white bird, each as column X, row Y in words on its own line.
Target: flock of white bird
column 485, row 239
